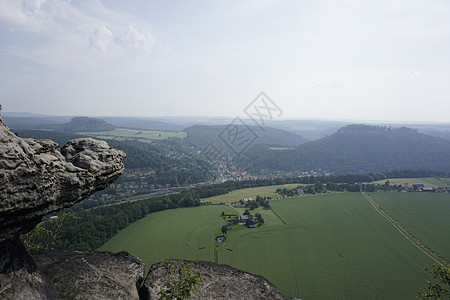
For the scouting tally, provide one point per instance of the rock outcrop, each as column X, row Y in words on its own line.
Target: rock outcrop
column 38, row 177
column 20, row 277
column 92, row 275
column 219, row 282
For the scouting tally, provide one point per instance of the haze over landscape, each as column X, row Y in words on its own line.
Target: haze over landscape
column 253, row 149
column 339, row 60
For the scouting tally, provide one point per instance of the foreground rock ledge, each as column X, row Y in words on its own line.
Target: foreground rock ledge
column 220, row 282
column 104, row 275
column 92, row 275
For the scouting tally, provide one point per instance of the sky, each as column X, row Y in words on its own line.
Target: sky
column 374, row 60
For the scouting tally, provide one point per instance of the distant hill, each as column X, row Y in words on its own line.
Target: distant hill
column 28, row 122
column 59, row 137
column 202, row 135
column 144, row 123
column 84, row 124
column 60, row 124
column 356, row 148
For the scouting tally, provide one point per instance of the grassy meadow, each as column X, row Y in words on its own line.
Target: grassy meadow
column 425, row 215
column 442, row 182
column 264, row 191
column 280, row 148
column 176, row 233
column 427, row 182
column 122, row 134
column 332, row 246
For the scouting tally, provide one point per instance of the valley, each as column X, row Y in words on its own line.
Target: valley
column 331, row 246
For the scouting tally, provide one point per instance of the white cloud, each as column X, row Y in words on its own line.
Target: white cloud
column 28, row 15
column 66, row 33
column 101, row 38
column 135, row 38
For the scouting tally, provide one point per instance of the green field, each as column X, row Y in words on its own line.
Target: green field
column 442, row 182
column 425, row 215
column 264, row 191
column 427, row 182
column 122, row 134
column 177, row 233
column 280, row 148
column 333, row 246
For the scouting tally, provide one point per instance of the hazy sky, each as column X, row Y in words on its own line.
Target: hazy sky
column 349, row 59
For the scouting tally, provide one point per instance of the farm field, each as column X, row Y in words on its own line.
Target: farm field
column 333, row 246
column 442, row 182
column 427, row 182
column 280, row 148
column 264, row 191
column 425, row 215
column 186, row 233
column 123, row 134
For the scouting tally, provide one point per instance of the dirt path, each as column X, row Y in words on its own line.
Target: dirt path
column 399, row 230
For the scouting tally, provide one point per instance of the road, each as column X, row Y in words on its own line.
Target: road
column 399, row 230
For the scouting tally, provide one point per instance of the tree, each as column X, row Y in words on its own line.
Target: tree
column 440, row 289
column 44, row 235
column 310, row 189
column 224, row 229
column 246, row 212
column 182, row 280
column 318, row 187
column 257, row 216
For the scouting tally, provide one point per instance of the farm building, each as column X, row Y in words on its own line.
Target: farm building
column 244, row 218
column 220, row 239
column 250, row 223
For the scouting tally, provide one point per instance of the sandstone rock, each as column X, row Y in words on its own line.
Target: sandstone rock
column 92, row 275
column 37, row 177
column 220, row 282
column 20, row 277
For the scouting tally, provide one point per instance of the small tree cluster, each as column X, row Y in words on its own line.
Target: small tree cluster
column 224, row 229
column 182, row 280
column 440, row 288
column 44, row 235
column 259, row 219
